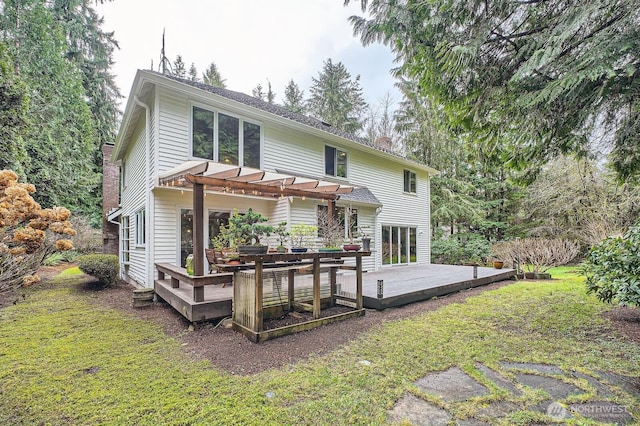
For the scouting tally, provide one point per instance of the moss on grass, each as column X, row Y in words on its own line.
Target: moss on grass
column 65, row 360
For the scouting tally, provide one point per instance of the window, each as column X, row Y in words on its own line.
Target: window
column 226, row 139
column 409, row 181
column 202, row 136
column 140, row 227
column 124, row 239
column 399, row 245
column 335, row 162
column 346, row 217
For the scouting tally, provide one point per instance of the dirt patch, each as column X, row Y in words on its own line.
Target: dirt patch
column 234, row 353
column 626, row 321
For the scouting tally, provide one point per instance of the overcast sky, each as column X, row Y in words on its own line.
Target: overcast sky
column 251, row 41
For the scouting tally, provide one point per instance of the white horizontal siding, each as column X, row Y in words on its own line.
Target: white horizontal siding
column 133, row 199
column 173, row 130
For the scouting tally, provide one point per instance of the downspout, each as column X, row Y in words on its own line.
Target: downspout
column 147, row 207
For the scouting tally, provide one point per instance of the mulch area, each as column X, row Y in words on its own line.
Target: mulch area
column 232, row 352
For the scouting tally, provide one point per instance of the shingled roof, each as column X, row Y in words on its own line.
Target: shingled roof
column 283, row 112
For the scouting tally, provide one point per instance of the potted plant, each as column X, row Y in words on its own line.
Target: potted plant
column 246, row 230
column 301, row 234
column 282, row 233
column 366, row 240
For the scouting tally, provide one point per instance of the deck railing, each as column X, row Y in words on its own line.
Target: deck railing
column 179, row 275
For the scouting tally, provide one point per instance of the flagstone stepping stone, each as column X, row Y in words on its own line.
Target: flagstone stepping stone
column 628, row 384
column 556, row 388
column 601, row 389
column 540, row 368
column 452, row 385
column 603, row 411
column 417, row 412
column 496, row 378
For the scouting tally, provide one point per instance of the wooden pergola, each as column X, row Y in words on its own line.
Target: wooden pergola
column 210, row 176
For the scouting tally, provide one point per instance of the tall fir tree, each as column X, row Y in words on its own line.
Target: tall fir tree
column 14, row 118
column 337, row 98
column 212, row 76
column 179, row 69
column 60, row 144
column 294, row 98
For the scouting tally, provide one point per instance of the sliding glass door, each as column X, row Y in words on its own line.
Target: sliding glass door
column 399, row 245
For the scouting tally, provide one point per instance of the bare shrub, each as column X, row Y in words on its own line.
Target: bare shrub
column 536, row 255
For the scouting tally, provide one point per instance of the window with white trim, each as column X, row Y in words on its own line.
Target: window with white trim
column 140, row 226
column 335, row 162
column 124, row 239
column 224, row 138
column 409, row 181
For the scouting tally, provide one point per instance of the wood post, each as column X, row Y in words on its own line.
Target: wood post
column 198, row 229
column 258, row 321
column 316, row 287
column 359, row 282
column 290, row 289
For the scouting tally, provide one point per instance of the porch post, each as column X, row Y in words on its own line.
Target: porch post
column 198, row 226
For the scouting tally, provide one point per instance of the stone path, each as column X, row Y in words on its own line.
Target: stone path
column 538, row 393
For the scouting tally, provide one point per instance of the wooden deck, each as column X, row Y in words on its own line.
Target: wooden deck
column 401, row 285
column 409, row 284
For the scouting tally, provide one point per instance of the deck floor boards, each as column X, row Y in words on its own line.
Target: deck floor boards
column 402, row 285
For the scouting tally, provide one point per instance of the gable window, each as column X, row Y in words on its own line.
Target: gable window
column 140, row 227
column 409, row 181
column 225, row 139
column 335, row 162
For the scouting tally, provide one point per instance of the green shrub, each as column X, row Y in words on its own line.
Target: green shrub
column 612, row 268
column 104, row 267
column 54, row 259
column 460, row 248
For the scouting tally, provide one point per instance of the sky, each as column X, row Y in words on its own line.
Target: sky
column 251, row 41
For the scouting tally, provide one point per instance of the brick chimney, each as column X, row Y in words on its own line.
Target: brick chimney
column 110, row 201
column 385, row 143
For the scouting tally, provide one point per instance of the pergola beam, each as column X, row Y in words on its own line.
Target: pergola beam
column 258, row 189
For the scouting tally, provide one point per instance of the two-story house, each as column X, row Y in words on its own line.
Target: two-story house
column 172, row 126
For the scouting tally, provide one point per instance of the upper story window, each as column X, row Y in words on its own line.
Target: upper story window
column 409, row 181
column 225, row 139
column 335, row 162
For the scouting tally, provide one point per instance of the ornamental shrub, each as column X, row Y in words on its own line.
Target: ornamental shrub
column 28, row 233
column 104, row 267
column 612, row 268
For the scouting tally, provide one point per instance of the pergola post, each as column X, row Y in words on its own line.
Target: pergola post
column 198, row 229
column 331, row 211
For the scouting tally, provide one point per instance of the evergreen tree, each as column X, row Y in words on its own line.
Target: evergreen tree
column 271, row 95
column 193, row 73
column 212, row 77
column 294, row 98
column 336, row 98
column 60, row 143
column 14, row 119
column 537, row 77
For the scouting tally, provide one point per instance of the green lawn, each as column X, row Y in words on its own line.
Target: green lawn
column 64, row 360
